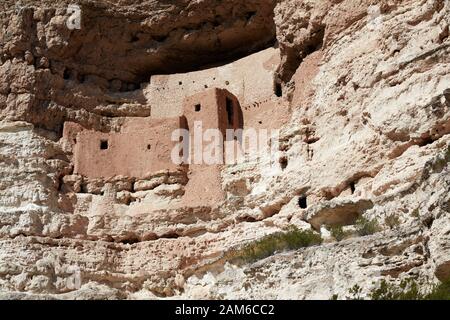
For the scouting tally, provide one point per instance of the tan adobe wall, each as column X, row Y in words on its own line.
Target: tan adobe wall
column 142, row 147
column 210, row 107
column 204, row 187
column 250, row 79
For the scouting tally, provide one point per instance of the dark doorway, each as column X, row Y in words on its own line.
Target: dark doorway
column 278, row 89
column 230, row 111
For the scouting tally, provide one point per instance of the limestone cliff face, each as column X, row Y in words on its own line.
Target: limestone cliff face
column 367, row 87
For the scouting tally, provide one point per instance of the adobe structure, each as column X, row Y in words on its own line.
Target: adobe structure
column 251, row 79
column 215, row 108
column 143, row 147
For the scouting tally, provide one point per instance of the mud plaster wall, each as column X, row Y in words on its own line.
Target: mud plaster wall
column 142, row 147
column 210, row 110
column 209, row 107
column 250, row 79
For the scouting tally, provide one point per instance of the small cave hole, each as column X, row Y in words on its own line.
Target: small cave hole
column 131, row 240
column 283, row 163
column 425, row 141
column 278, row 90
column 159, row 38
column 132, row 86
column 103, row 144
column 260, row 122
column 170, row 235
column 250, row 15
column 60, row 183
column 316, row 41
column 180, row 83
column 134, row 38
column 217, row 21
column 66, row 74
column 302, row 203
column 227, row 82
column 149, row 146
column 352, row 187
column 198, row 107
column 247, row 219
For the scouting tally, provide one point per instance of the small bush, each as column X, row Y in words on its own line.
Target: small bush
column 415, row 213
column 409, row 290
column 440, row 292
column 338, row 233
column 392, row 221
column 365, row 227
column 267, row 246
column 356, row 293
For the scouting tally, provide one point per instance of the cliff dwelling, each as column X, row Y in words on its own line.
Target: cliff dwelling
column 240, row 95
column 141, row 147
column 120, row 178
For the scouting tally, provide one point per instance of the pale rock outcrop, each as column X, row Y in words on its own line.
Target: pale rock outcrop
column 367, row 83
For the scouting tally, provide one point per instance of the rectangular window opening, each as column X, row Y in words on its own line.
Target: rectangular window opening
column 103, row 144
column 198, row 107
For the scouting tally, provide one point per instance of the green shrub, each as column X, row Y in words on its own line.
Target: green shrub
column 293, row 238
column 392, row 221
column 415, row 213
column 410, row 290
column 407, row 290
column 356, row 292
column 338, row 233
column 365, row 227
column 440, row 291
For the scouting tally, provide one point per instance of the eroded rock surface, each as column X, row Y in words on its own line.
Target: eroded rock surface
column 365, row 115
